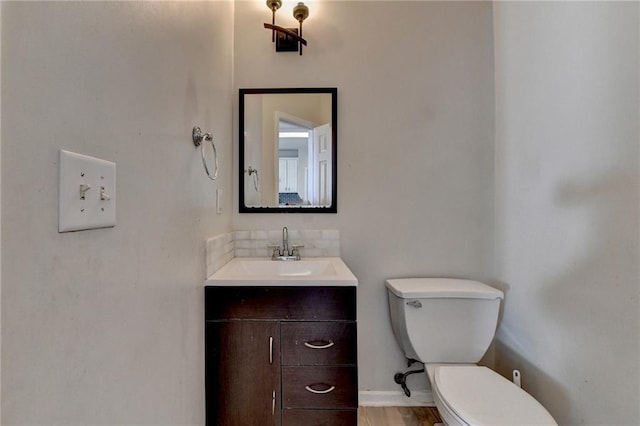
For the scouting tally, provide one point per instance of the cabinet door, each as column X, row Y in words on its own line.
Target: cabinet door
column 288, row 175
column 282, row 175
column 243, row 373
column 292, row 175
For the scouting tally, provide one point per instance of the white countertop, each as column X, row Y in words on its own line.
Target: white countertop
column 261, row 271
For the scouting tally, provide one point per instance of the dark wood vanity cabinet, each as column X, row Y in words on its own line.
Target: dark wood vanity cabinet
column 281, row 356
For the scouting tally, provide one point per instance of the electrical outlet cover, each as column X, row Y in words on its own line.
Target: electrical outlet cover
column 87, row 192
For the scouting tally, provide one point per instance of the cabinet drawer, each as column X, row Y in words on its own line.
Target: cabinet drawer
column 319, row 387
column 298, row 417
column 318, row 343
column 286, row 303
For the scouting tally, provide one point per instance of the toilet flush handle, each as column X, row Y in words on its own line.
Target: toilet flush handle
column 415, row 303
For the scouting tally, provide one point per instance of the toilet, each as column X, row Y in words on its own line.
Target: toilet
column 448, row 324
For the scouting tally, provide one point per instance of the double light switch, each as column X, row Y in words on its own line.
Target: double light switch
column 87, row 193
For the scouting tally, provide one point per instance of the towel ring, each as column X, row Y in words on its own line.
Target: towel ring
column 256, row 178
column 198, row 139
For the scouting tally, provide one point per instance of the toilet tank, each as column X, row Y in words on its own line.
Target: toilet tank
column 443, row 320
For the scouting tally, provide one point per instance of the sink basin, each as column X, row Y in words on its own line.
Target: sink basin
column 315, row 271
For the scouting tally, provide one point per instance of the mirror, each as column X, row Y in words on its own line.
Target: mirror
column 288, row 140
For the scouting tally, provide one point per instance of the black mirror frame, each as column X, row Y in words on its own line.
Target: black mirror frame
column 333, row 208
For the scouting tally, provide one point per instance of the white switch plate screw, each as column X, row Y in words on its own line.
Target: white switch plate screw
column 87, row 192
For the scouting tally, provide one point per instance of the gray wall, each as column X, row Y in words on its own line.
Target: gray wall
column 567, row 186
column 105, row 326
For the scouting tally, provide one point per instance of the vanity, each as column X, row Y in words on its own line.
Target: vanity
column 280, row 343
column 280, row 335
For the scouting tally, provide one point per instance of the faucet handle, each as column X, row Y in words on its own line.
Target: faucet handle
column 276, row 250
column 295, row 252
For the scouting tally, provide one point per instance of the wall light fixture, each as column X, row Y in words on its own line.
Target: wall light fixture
column 287, row 39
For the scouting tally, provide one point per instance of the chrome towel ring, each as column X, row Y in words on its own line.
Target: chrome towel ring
column 198, row 139
column 256, row 178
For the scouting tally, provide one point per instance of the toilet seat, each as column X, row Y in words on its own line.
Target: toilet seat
column 478, row 396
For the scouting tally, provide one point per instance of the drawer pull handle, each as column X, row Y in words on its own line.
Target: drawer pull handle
column 310, row 389
column 271, row 350
column 325, row 346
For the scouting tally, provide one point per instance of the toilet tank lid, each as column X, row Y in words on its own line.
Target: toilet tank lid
column 425, row 288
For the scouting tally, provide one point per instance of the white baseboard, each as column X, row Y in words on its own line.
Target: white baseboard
column 421, row 398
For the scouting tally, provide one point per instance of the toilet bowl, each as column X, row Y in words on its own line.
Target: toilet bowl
column 448, row 324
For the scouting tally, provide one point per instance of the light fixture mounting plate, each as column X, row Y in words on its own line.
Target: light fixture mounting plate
column 286, row 43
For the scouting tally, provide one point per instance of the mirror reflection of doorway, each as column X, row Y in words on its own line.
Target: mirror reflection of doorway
column 304, row 163
column 293, row 163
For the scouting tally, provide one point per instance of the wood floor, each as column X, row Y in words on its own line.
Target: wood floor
column 398, row 416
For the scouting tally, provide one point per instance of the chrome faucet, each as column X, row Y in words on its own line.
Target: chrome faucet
column 285, row 240
column 285, row 253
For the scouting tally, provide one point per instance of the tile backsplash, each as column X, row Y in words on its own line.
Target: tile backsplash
column 254, row 243
column 219, row 250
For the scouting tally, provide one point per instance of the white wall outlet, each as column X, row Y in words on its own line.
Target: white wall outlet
column 87, row 193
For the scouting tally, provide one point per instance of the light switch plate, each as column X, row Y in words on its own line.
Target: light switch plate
column 87, row 192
